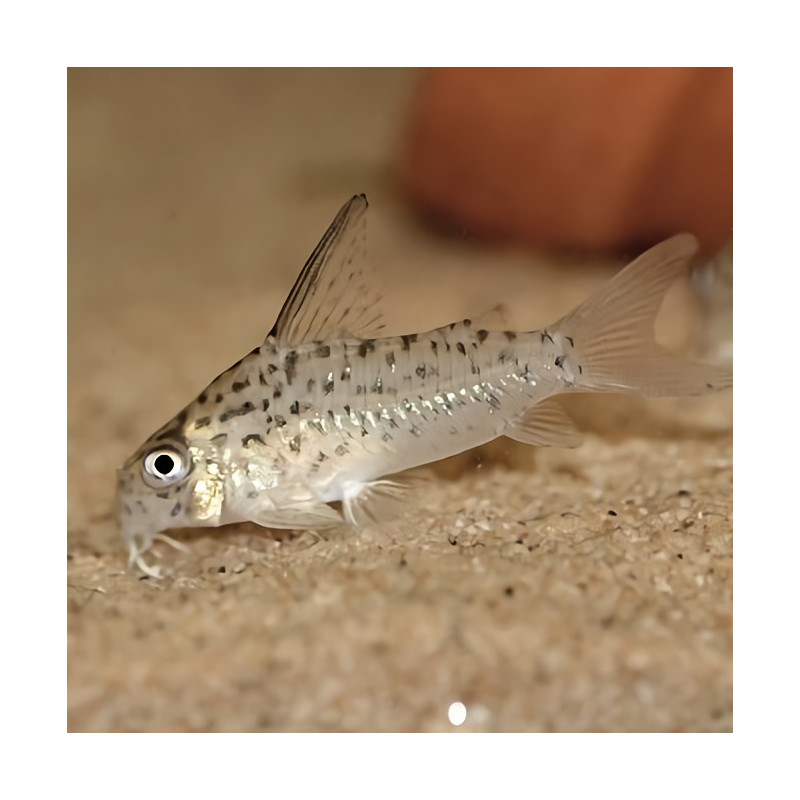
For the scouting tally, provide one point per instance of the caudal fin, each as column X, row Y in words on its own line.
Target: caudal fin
column 613, row 330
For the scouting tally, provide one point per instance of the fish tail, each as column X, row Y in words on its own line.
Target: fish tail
column 613, row 337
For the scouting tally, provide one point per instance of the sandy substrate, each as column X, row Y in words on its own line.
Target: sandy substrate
column 587, row 589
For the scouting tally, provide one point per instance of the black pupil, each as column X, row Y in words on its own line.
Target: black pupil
column 164, row 464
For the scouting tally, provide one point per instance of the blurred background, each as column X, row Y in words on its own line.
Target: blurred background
column 195, row 196
column 574, row 159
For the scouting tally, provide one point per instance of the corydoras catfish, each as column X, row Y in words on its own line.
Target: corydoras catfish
column 326, row 407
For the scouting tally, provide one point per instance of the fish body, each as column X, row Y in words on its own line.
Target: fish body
column 326, row 407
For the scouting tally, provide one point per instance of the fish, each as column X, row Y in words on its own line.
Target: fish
column 327, row 408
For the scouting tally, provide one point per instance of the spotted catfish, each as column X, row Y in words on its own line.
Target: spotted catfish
column 326, row 408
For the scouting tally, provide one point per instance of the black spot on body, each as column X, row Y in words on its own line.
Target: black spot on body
column 510, row 335
column 294, row 444
column 246, row 408
column 261, row 378
column 219, row 398
column 202, row 398
column 322, row 457
column 406, row 342
column 219, row 439
column 278, row 392
column 546, row 337
column 322, row 351
column 279, row 420
column 272, row 368
column 367, row 346
column 176, row 509
column 420, row 371
column 341, row 450
column 310, row 385
column 347, row 410
column 265, row 404
column 467, row 323
column 252, row 437
column 294, row 408
column 162, row 495
column 327, row 387
column 560, row 361
column 239, row 385
column 390, row 359
column 482, row 334
column 289, row 364
column 570, row 340
column 202, row 422
column 461, row 349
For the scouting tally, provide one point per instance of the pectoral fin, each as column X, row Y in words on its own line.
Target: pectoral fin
column 299, row 516
column 365, row 503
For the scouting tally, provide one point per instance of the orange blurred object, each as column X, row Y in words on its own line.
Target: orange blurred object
column 597, row 158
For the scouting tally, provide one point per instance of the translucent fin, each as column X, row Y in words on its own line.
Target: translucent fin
column 335, row 292
column 497, row 318
column 368, row 503
column 297, row 516
column 612, row 332
column 545, row 425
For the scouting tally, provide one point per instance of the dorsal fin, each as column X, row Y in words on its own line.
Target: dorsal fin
column 334, row 294
column 497, row 318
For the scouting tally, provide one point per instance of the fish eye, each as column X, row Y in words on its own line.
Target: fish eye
column 164, row 466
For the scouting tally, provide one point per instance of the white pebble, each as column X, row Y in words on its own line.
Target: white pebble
column 457, row 713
